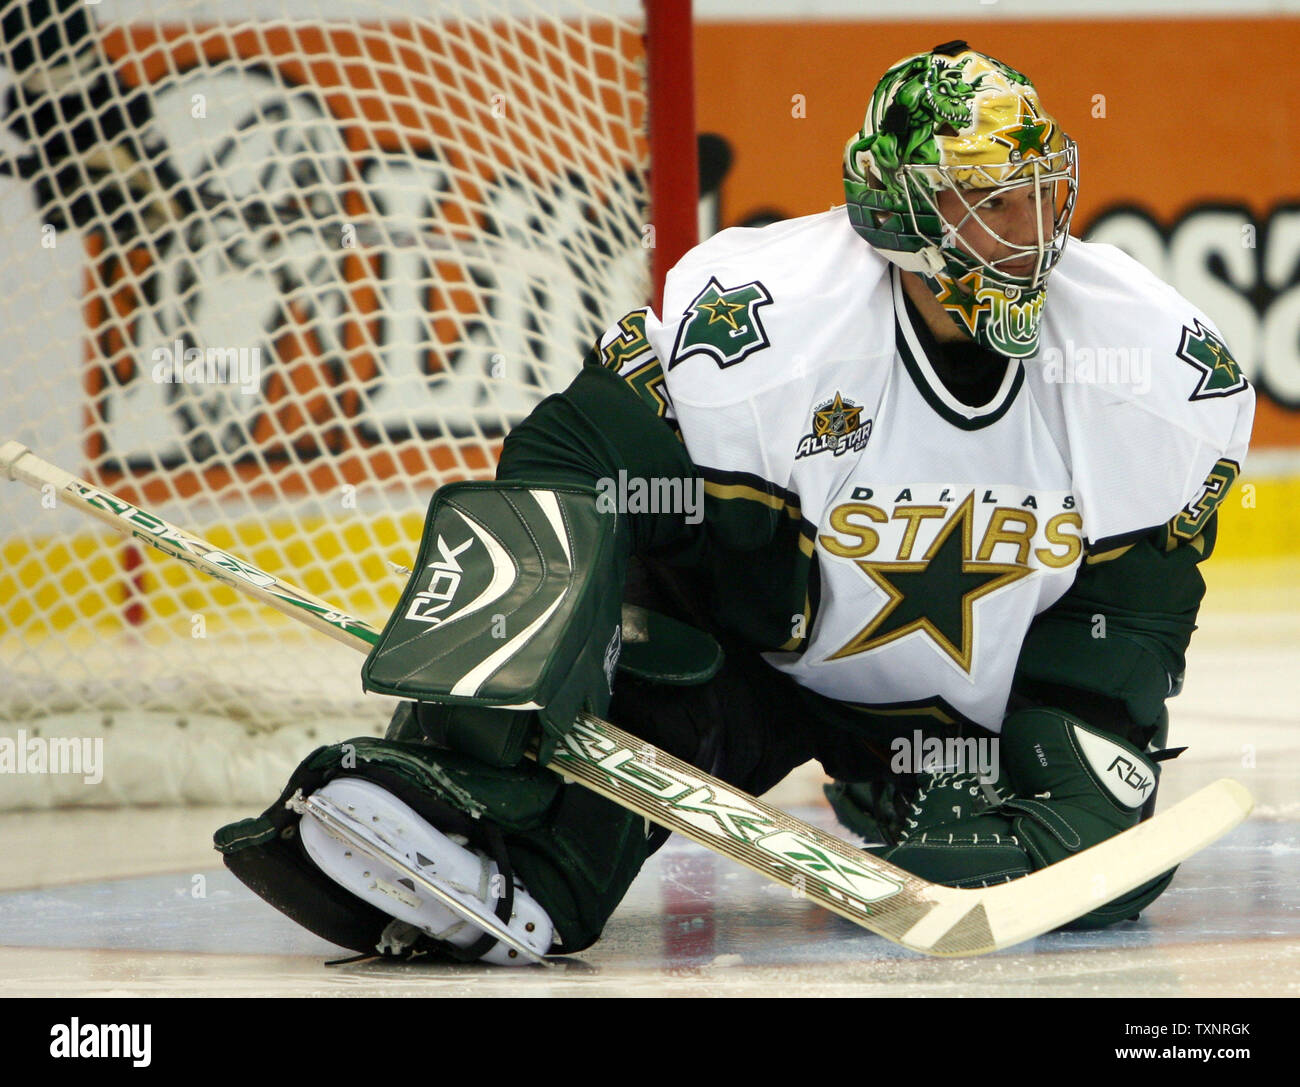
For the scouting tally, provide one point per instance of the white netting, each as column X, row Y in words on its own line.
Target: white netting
column 405, row 222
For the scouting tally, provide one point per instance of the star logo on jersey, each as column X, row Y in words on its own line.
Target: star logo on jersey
column 935, row 596
column 1219, row 373
column 723, row 323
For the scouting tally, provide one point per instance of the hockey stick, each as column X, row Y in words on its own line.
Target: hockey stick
column 922, row 916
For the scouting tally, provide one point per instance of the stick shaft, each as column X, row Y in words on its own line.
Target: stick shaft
column 21, row 464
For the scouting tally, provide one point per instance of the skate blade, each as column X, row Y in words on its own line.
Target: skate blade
column 344, row 826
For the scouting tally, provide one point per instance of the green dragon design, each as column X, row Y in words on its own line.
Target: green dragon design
column 925, row 95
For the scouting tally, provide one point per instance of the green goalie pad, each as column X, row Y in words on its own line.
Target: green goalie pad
column 515, row 604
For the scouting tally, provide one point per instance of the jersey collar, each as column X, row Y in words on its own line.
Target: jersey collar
column 922, row 373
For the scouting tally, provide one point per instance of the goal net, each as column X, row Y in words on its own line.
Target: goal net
column 276, row 270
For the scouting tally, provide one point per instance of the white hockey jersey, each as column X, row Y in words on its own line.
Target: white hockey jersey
column 939, row 531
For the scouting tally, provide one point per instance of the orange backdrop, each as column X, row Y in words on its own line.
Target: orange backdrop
column 1196, row 111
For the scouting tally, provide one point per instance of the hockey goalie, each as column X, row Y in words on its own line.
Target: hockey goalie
column 908, row 472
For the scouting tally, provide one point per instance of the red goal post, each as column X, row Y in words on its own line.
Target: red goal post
column 674, row 153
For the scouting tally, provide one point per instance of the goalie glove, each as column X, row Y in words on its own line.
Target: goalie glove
column 511, row 623
column 1064, row 786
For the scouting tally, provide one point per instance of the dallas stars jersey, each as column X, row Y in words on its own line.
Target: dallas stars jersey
column 888, row 545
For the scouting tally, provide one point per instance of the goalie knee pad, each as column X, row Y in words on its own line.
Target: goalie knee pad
column 471, row 877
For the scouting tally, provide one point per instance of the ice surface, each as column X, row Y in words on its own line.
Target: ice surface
column 135, row 901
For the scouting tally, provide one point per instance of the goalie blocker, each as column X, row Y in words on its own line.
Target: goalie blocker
column 515, row 604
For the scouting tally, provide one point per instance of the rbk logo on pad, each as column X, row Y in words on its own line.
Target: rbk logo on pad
column 428, row 604
column 1130, row 774
column 1126, row 779
column 723, row 323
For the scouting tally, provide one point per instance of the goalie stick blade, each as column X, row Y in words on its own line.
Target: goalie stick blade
column 972, row 922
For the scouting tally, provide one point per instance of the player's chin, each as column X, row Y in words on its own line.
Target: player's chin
column 1021, row 268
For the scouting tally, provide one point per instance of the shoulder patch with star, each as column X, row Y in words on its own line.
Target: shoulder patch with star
column 1219, row 374
column 723, row 323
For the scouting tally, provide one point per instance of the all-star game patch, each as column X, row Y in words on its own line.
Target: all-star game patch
column 837, row 427
column 1219, row 374
column 723, row 323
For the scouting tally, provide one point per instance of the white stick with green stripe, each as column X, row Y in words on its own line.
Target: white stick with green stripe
column 870, row 892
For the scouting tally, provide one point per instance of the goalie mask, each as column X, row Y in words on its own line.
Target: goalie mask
column 960, row 176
